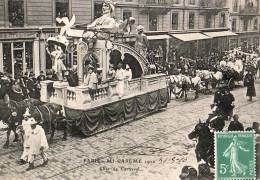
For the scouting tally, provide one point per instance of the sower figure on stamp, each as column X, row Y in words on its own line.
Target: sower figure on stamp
column 236, row 167
column 38, row 144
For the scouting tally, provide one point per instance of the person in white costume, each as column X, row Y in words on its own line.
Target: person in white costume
column 120, row 77
column 128, row 73
column 26, row 131
column 38, row 144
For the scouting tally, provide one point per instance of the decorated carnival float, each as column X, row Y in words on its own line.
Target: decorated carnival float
column 114, row 100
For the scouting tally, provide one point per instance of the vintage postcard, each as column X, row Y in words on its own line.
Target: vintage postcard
column 129, row 90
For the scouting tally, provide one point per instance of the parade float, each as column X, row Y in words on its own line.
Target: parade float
column 101, row 108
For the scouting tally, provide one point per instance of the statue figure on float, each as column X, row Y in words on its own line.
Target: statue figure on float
column 105, row 23
column 141, row 43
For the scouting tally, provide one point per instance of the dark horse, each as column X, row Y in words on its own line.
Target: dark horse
column 11, row 113
column 49, row 115
column 205, row 143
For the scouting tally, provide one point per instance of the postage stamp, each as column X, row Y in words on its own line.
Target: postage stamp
column 235, row 155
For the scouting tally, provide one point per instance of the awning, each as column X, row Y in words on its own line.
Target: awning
column 190, row 36
column 220, row 34
column 157, row 37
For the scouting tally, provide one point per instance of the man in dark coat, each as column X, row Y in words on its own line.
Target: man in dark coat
column 249, row 82
column 226, row 104
column 235, row 125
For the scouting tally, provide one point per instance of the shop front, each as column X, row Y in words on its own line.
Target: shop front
column 190, row 44
column 159, row 46
column 23, row 50
column 220, row 39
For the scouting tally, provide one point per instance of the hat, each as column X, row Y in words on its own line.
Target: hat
column 91, row 67
column 27, row 113
column 131, row 19
column 111, row 4
column 32, row 121
column 140, row 28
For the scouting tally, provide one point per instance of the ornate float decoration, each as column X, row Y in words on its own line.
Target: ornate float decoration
column 96, row 109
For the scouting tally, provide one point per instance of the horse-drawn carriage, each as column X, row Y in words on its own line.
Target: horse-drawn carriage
column 227, row 77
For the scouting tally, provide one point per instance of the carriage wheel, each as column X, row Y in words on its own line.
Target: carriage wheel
column 231, row 83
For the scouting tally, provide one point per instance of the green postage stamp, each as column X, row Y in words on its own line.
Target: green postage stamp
column 235, row 155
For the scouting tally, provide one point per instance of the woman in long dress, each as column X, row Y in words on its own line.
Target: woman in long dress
column 236, row 167
column 249, row 82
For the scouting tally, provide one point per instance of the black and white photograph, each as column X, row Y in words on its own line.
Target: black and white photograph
column 129, row 89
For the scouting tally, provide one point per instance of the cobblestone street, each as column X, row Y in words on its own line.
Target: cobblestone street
column 152, row 148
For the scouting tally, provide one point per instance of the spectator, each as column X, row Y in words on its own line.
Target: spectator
column 41, row 77
column 235, row 125
column 249, row 82
column 188, row 173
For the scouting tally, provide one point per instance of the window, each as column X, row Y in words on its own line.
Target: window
column 175, row 21
column 62, row 9
column 17, row 58
column 176, row 2
column 152, row 22
column 245, row 27
column 126, row 14
column 97, row 10
column 234, row 25
column 191, row 20
column 207, row 21
column 235, row 5
column 222, row 20
column 16, row 13
column 192, row 2
column 255, row 24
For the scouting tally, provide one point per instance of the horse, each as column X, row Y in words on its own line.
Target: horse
column 205, row 143
column 11, row 113
column 49, row 115
column 180, row 84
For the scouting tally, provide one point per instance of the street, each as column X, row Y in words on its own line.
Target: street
column 152, row 148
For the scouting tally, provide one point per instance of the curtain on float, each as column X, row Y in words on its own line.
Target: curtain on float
column 104, row 117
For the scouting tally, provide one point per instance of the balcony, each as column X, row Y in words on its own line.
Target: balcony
column 248, row 11
column 212, row 4
column 155, row 2
column 155, row 6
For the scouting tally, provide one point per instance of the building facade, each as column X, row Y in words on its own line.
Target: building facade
column 190, row 26
column 244, row 16
column 26, row 24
